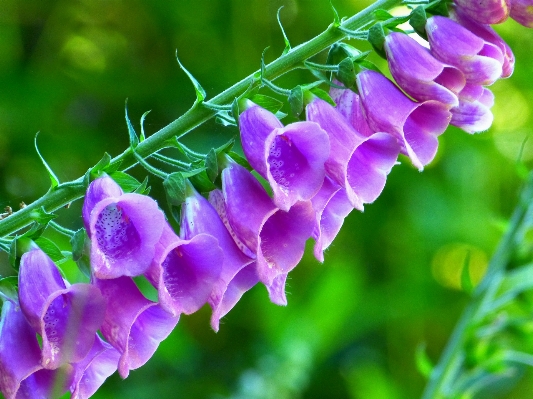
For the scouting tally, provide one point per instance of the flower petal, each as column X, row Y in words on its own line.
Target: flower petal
column 99, row 189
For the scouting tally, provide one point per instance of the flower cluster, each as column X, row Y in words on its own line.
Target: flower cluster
column 317, row 170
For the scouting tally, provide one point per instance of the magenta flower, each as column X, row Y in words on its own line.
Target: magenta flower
column 480, row 61
column 485, row 11
column 415, row 125
column 123, row 228
column 67, row 318
column 522, row 12
column 291, row 158
column 490, row 36
column 199, row 217
column 133, row 324
column 419, row 74
column 91, row 372
column 360, row 164
column 21, row 373
column 331, row 205
column 473, row 113
column 185, row 272
column 277, row 238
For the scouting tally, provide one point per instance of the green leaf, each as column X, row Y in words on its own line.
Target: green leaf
column 296, row 100
column 240, row 160
column 134, row 140
column 368, row 65
column 13, row 261
column 53, row 178
column 223, row 118
column 50, row 249
column 202, row 183
column 418, row 21
column 200, row 92
column 102, row 164
column 225, row 148
column 423, row 363
column 143, row 117
column 376, row 37
column 346, row 72
column 126, row 182
column 269, row 103
column 143, row 189
column 382, row 15
column 466, row 281
column 41, row 216
column 8, row 288
column 81, row 251
column 211, row 165
column 287, row 43
column 336, row 18
column 323, row 95
column 35, row 231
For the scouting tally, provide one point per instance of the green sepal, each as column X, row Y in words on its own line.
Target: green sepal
column 143, row 117
column 418, row 21
column 376, row 37
column 324, row 79
column 175, row 188
column 53, row 178
column 143, row 188
column 240, row 160
column 423, row 363
column 19, row 246
column 285, row 38
column 9, row 288
column 223, row 118
column 127, row 182
column 440, row 8
column 211, row 165
column 81, row 251
column 269, row 103
column 339, row 51
column 35, row 231
column 201, row 181
column 368, row 65
column 200, row 92
column 346, row 72
column 296, row 101
column 466, row 281
column 134, row 140
column 323, row 95
column 226, row 147
column 97, row 170
column 50, row 249
column 41, row 216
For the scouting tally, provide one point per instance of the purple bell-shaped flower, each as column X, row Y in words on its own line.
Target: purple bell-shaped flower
column 277, row 238
column 480, row 61
column 185, row 272
column 473, row 114
column 67, row 318
column 416, row 126
column 487, row 12
column 421, row 75
column 133, row 324
column 522, row 12
column 123, row 228
column 21, row 373
column 358, row 163
column 291, row 158
column 198, row 217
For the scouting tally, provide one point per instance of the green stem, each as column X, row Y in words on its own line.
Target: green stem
column 451, row 359
column 197, row 115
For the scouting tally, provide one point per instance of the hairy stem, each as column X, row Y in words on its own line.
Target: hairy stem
column 197, row 115
column 451, row 359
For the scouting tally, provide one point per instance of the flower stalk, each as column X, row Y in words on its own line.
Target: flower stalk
column 65, row 193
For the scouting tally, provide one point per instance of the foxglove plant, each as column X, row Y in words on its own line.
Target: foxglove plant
column 318, row 171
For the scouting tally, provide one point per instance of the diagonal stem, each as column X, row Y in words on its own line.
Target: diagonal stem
column 197, row 115
column 451, row 359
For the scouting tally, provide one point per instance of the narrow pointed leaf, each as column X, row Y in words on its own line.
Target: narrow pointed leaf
column 225, row 148
column 287, row 43
column 382, row 15
column 143, row 117
column 126, row 182
column 53, row 178
column 336, row 18
column 134, row 140
column 80, row 251
column 323, row 95
column 240, row 160
column 143, row 187
column 41, row 216
column 200, row 92
column 50, row 249
column 102, row 164
column 267, row 102
column 211, row 165
column 296, row 100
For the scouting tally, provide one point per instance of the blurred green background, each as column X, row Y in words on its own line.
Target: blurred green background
column 391, row 280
